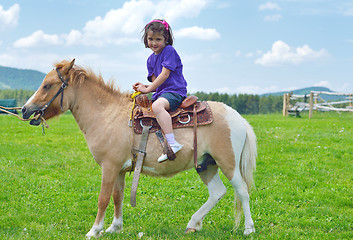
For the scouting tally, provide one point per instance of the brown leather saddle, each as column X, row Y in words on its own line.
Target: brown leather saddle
column 181, row 117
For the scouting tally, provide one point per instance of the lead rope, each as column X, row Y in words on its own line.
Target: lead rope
column 134, row 156
column 44, row 123
column 133, row 96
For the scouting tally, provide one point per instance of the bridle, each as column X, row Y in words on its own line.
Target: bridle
column 60, row 91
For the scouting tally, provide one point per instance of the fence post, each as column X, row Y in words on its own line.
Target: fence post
column 311, row 105
column 285, row 110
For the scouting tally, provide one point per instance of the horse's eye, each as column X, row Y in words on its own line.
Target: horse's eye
column 47, row 87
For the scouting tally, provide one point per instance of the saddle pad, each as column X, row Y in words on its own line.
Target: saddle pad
column 180, row 117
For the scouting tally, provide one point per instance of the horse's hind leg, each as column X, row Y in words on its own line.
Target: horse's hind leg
column 241, row 190
column 118, row 197
column 216, row 191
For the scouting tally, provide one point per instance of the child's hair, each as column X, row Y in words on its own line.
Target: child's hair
column 158, row 25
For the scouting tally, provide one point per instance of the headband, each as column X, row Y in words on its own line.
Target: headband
column 166, row 25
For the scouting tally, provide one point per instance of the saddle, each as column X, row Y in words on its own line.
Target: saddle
column 181, row 117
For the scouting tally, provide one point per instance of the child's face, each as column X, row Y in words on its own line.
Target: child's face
column 156, row 41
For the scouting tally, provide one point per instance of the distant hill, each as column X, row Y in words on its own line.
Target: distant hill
column 14, row 78
column 301, row 91
column 306, row 91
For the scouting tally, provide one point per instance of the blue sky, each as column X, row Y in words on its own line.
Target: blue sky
column 229, row 46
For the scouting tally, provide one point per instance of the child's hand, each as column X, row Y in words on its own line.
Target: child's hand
column 142, row 88
column 139, row 87
column 134, row 86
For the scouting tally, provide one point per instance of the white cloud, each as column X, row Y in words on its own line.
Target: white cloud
column 38, row 61
column 174, row 9
column 269, row 6
column 323, row 84
column 73, row 37
column 197, row 33
column 9, row 18
column 281, row 53
column 7, row 59
column 273, row 18
column 38, row 38
column 123, row 25
column 117, row 23
column 126, row 22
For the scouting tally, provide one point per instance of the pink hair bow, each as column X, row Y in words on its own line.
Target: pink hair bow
column 166, row 25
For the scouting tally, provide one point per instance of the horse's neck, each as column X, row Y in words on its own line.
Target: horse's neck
column 95, row 109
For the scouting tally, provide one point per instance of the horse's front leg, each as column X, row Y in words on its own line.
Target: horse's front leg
column 118, row 198
column 109, row 174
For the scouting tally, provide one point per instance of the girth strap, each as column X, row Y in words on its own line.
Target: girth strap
column 141, row 153
column 195, row 136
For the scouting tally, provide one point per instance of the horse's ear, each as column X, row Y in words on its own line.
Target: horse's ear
column 68, row 67
column 72, row 63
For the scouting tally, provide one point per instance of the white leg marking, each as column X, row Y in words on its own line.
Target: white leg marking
column 116, row 226
column 241, row 190
column 96, row 230
column 216, row 190
column 238, row 135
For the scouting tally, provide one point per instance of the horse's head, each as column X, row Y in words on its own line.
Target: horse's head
column 48, row 101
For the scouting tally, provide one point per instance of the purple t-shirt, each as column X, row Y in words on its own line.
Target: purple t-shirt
column 169, row 59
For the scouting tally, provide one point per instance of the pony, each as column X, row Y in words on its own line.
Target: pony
column 228, row 143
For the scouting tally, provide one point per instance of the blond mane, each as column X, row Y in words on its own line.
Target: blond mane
column 80, row 75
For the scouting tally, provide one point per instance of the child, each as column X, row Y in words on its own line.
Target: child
column 165, row 72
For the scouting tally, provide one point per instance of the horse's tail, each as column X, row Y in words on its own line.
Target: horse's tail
column 247, row 165
column 237, row 210
column 248, row 156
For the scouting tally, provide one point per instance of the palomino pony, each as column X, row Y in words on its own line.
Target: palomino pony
column 229, row 142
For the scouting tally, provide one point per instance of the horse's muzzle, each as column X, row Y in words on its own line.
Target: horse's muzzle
column 27, row 113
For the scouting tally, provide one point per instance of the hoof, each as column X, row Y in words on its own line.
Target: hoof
column 114, row 229
column 93, row 234
column 249, row 231
column 190, row 230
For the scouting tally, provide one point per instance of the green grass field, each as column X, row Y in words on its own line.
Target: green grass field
column 304, row 177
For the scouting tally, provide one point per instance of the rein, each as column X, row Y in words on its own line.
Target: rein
column 40, row 112
column 5, row 109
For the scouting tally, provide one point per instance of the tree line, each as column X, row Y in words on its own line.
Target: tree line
column 243, row 103
column 20, row 95
column 246, row 103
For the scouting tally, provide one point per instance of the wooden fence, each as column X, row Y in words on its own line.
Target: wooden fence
column 315, row 101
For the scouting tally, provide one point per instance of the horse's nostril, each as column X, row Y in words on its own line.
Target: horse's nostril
column 24, row 110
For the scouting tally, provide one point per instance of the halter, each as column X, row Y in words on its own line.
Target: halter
column 61, row 90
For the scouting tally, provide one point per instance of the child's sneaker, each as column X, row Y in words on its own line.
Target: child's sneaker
column 175, row 148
